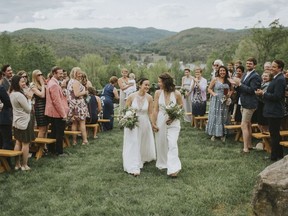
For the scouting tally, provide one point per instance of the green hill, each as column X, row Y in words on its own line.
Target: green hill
column 197, row 44
column 191, row 45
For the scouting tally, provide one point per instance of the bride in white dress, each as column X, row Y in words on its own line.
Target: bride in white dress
column 167, row 131
column 138, row 143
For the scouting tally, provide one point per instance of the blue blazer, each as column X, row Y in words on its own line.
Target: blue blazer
column 247, row 90
column 6, row 113
column 274, row 98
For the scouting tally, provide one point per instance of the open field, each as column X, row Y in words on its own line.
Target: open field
column 215, row 180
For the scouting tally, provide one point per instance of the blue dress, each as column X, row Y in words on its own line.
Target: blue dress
column 218, row 112
column 108, row 107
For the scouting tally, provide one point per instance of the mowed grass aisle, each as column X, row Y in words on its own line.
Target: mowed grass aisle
column 215, row 180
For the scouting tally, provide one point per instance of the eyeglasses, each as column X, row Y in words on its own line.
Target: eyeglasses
column 24, row 76
column 39, row 74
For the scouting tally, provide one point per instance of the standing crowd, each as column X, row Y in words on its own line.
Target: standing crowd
column 62, row 100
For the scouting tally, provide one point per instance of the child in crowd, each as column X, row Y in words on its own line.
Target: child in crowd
column 132, row 84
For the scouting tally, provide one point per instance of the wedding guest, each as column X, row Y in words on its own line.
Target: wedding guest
column 24, row 75
column 273, row 109
column 198, row 95
column 138, row 143
column 123, row 83
column 132, row 88
column 167, row 130
column 220, row 91
column 56, row 109
column 109, row 93
column 236, row 115
column 5, row 119
column 38, row 88
column 23, row 121
column 94, row 108
column 186, row 98
column 7, row 76
column 247, row 86
column 78, row 110
column 262, row 121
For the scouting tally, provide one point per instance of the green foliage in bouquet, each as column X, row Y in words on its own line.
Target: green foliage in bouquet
column 183, row 91
column 174, row 111
column 128, row 118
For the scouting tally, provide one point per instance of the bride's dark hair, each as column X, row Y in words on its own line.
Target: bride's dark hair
column 168, row 82
column 141, row 80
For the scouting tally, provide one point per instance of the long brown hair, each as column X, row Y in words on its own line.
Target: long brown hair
column 168, row 82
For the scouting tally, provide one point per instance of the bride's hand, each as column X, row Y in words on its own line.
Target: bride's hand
column 155, row 128
column 169, row 121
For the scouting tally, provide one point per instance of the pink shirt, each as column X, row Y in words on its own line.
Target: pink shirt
column 56, row 102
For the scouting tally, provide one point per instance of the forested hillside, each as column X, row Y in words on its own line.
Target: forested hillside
column 102, row 53
column 78, row 42
column 190, row 45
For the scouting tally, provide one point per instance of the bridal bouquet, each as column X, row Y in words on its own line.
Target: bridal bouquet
column 183, row 91
column 128, row 118
column 174, row 111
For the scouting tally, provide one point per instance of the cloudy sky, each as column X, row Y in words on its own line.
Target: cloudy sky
column 173, row 15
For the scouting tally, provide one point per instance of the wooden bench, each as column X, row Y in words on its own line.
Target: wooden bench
column 284, row 143
column 100, row 121
column 4, row 154
column 237, row 128
column 265, row 138
column 95, row 128
column 41, row 143
column 201, row 121
column 67, row 133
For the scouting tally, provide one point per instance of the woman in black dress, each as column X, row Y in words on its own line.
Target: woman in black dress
column 38, row 88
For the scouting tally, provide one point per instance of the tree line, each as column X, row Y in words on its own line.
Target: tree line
column 264, row 43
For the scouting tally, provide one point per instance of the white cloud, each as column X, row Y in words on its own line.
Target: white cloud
column 165, row 14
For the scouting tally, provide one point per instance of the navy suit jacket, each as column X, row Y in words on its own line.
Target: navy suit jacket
column 247, row 90
column 274, row 98
column 6, row 113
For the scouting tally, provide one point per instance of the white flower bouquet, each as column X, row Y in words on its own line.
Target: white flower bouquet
column 183, row 91
column 174, row 111
column 128, row 118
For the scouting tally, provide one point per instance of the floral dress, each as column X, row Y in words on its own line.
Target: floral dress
column 77, row 106
column 218, row 112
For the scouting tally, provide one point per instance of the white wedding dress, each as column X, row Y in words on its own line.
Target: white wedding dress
column 138, row 143
column 166, row 139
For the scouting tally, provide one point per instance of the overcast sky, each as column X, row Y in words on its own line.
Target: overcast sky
column 176, row 15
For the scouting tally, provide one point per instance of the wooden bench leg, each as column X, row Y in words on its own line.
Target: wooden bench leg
column 238, row 135
column 266, row 145
column 66, row 141
column 39, row 153
column 5, row 164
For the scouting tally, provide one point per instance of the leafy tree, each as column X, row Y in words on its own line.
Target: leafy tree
column 91, row 63
column 8, row 50
column 33, row 57
column 269, row 40
column 67, row 63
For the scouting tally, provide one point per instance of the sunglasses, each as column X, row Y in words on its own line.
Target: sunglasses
column 39, row 74
column 24, row 76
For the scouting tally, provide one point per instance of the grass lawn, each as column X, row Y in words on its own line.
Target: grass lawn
column 215, row 180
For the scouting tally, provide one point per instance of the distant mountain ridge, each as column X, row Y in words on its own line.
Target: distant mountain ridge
column 193, row 43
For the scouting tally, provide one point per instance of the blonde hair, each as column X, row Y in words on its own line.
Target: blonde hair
column 35, row 81
column 74, row 71
column 132, row 76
